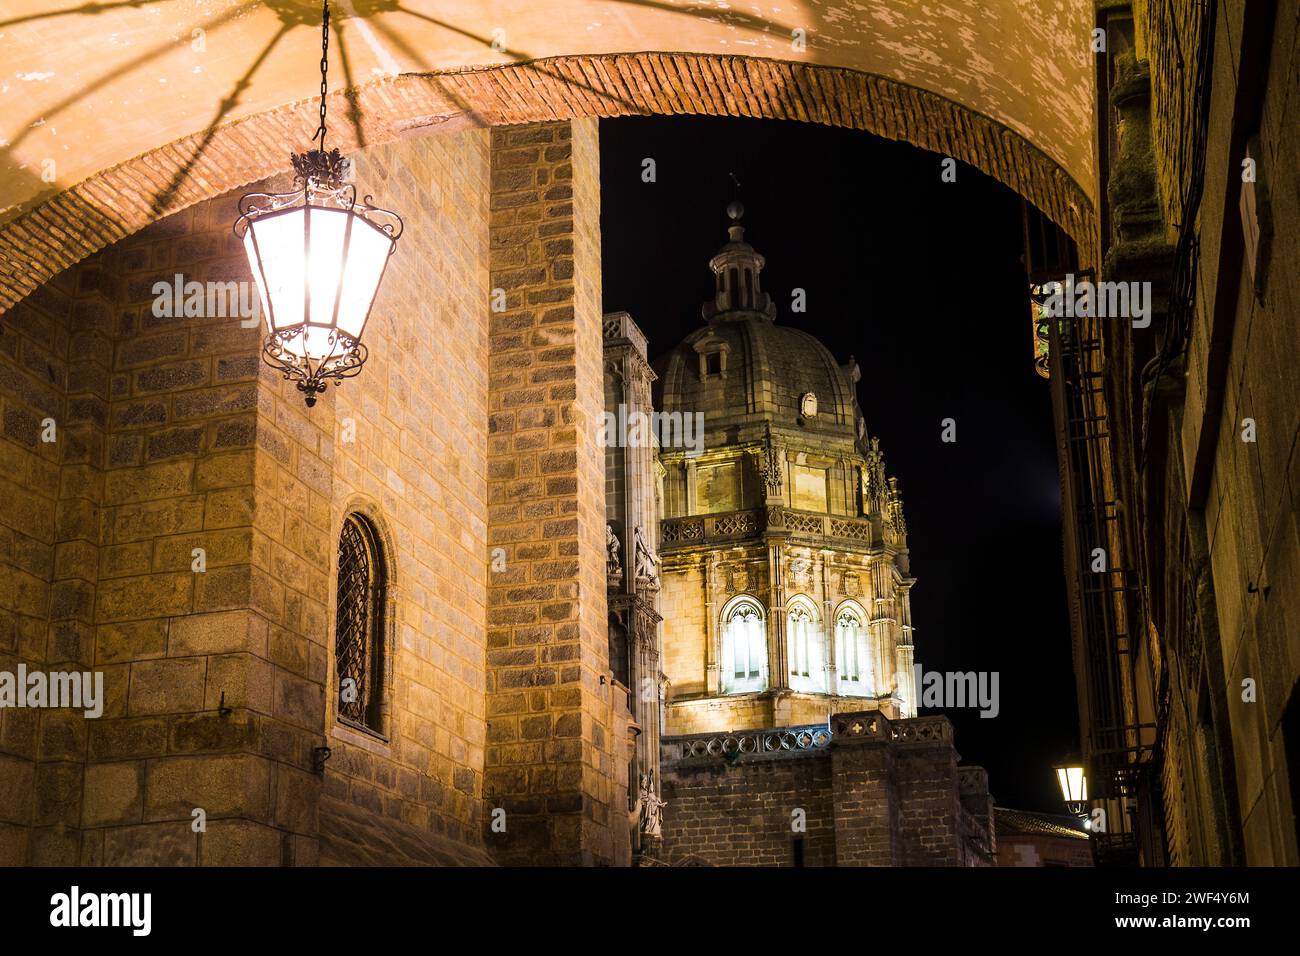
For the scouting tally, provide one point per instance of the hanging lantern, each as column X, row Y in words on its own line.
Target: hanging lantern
column 1073, row 781
column 318, row 256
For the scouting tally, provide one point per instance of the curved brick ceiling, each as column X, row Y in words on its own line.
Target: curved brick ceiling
column 132, row 114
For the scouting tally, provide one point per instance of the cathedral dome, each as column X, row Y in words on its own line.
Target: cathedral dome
column 746, row 373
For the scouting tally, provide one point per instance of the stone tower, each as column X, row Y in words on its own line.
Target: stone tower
column 632, row 513
column 785, row 591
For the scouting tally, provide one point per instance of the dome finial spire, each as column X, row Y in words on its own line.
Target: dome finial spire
column 737, row 292
column 735, row 210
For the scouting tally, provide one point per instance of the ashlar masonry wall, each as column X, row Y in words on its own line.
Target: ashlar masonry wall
column 404, row 444
column 170, row 436
column 557, row 751
column 469, row 432
column 865, row 791
column 151, row 422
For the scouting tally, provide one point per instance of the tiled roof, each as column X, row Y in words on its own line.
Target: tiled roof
column 1027, row 823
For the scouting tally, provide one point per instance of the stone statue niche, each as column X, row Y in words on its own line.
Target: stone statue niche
column 646, row 563
column 652, row 807
column 613, row 565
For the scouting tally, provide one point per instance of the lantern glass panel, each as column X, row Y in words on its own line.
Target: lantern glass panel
column 368, row 251
column 1073, row 785
column 341, row 263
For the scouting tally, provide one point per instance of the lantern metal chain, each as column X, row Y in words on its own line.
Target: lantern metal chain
column 324, row 69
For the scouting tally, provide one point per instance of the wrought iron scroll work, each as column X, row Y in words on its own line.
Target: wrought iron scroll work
column 319, row 181
column 358, row 623
column 313, row 377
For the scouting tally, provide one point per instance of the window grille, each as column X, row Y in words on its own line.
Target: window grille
column 359, row 624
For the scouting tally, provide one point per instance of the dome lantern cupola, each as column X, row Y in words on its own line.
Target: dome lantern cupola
column 745, row 371
column 736, row 269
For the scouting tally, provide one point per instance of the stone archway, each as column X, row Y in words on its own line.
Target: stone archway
column 118, row 201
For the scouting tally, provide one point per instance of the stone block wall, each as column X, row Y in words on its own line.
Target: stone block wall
column 979, row 819
column 553, row 758
column 685, row 603
column 874, row 792
column 744, row 813
column 172, row 436
column 1168, row 32
column 34, row 346
column 929, row 806
column 177, row 644
column 1239, row 366
column 1250, row 512
column 404, row 444
column 152, row 421
column 868, row 823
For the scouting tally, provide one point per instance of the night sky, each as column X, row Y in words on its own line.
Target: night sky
column 922, row 282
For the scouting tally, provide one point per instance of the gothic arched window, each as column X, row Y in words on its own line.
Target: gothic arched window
column 854, row 654
column 805, row 649
column 359, row 624
column 744, row 647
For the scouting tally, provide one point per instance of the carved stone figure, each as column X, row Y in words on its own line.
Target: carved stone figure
column 874, row 478
column 652, row 807
column 896, row 522
column 613, row 566
column 772, row 466
column 646, row 565
column 800, row 575
column 737, row 578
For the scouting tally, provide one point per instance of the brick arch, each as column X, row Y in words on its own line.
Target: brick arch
column 121, row 200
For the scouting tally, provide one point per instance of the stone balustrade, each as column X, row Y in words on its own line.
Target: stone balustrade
column 739, row 525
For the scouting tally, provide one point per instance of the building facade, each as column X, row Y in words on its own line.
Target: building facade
column 789, row 709
column 444, row 513
column 786, row 590
column 632, row 506
column 1177, row 440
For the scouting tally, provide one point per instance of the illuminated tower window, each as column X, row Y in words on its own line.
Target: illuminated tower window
column 853, row 654
column 804, row 647
column 744, row 647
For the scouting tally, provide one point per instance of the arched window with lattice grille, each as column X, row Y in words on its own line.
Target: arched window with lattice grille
column 359, row 625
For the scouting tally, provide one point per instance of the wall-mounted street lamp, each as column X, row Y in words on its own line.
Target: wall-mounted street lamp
column 1074, row 787
column 318, row 256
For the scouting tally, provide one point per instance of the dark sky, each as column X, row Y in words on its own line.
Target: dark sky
column 921, row 281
